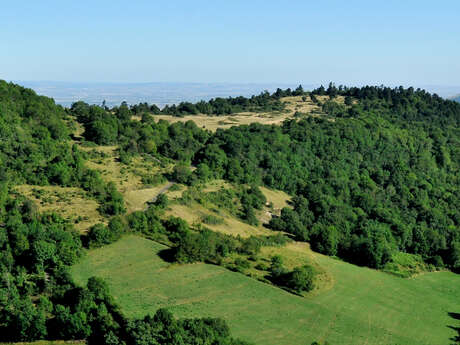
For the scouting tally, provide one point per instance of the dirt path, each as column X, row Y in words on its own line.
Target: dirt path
column 161, row 191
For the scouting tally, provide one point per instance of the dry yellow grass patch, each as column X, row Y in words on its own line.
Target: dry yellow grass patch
column 136, row 199
column 295, row 103
column 69, row 202
column 128, row 179
column 107, row 149
column 215, row 185
column 278, row 198
column 227, row 121
column 231, row 225
column 111, row 171
column 337, row 99
column 176, row 193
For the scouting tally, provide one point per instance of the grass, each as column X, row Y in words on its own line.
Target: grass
column 49, row 342
column 361, row 306
column 227, row 121
column 136, row 199
column 230, row 225
column 69, row 202
column 293, row 104
column 127, row 178
column 278, row 198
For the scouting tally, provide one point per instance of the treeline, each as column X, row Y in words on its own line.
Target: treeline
column 177, row 141
column 264, row 102
column 398, row 104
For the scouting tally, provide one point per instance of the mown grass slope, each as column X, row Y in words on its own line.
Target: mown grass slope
column 363, row 306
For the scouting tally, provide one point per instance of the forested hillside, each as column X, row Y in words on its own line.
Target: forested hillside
column 377, row 178
column 371, row 176
column 38, row 298
column 376, row 175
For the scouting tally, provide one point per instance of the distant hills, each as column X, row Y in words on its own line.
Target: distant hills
column 456, row 98
column 168, row 93
column 159, row 93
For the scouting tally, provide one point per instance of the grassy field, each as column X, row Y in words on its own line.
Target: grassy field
column 293, row 104
column 360, row 306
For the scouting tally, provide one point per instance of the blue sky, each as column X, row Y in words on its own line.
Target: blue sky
column 351, row 42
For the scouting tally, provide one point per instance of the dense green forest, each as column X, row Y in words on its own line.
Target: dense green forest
column 380, row 177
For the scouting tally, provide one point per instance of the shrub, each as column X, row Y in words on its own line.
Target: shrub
column 99, row 235
column 212, row 219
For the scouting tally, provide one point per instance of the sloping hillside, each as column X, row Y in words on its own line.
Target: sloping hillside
column 364, row 306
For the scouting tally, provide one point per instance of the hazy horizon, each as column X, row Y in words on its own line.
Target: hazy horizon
column 163, row 93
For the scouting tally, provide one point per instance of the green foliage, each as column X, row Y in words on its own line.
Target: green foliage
column 202, row 244
column 386, row 180
column 181, row 173
column 334, row 109
column 263, row 102
column 205, row 245
column 406, row 265
column 39, row 300
column 35, row 149
column 99, row 234
column 153, row 179
column 212, row 220
column 299, row 279
column 32, row 248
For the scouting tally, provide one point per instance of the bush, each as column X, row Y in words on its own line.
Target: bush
column 181, row 174
column 99, row 235
column 242, row 263
column 300, row 279
column 153, row 179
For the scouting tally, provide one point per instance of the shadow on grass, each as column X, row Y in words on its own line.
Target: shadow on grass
column 167, row 255
column 455, row 316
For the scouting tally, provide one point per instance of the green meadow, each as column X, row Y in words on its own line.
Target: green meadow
column 363, row 306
